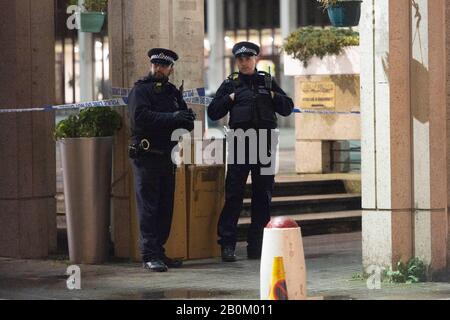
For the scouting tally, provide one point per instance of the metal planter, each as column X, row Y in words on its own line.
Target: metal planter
column 87, row 164
column 91, row 22
column 345, row 13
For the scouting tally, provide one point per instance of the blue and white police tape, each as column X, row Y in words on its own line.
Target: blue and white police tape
column 194, row 96
column 325, row 112
column 103, row 103
column 204, row 101
column 187, row 94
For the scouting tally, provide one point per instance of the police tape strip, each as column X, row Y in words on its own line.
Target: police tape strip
column 193, row 96
column 204, row 101
column 325, row 112
column 117, row 102
column 103, row 103
column 195, row 99
column 192, row 93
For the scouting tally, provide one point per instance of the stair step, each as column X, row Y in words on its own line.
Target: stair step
column 301, row 188
column 309, row 204
column 316, row 223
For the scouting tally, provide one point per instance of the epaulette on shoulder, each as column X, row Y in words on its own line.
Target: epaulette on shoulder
column 234, row 76
column 172, row 86
column 144, row 81
column 263, row 73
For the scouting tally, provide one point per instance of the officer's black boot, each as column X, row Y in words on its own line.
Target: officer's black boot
column 172, row 263
column 254, row 252
column 156, row 266
column 228, row 254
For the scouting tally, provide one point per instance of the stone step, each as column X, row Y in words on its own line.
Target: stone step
column 303, row 188
column 282, row 206
column 316, row 223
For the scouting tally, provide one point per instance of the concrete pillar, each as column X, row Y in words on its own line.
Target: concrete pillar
column 216, row 34
column 288, row 20
column 135, row 27
column 27, row 157
column 386, row 132
column 86, row 47
column 404, row 167
column 428, row 98
column 448, row 130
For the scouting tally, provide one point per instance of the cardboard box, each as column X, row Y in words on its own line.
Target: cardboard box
column 206, row 196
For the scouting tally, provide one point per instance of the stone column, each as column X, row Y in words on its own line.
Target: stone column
column 428, row 98
column 135, row 27
column 288, row 20
column 216, row 68
column 448, row 130
column 27, row 157
column 404, row 168
column 386, row 132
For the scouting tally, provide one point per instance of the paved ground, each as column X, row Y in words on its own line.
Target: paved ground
column 332, row 261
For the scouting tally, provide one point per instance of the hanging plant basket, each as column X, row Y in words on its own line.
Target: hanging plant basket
column 92, row 21
column 345, row 13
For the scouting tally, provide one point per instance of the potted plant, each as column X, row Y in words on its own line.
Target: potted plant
column 321, row 51
column 343, row 13
column 93, row 14
column 86, row 142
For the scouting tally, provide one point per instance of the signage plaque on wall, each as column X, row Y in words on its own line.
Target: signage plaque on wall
column 318, row 94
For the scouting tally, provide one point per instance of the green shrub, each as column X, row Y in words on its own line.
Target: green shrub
column 93, row 5
column 327, row 3
column 89, row 123
column 306, row 42
column 415, row 271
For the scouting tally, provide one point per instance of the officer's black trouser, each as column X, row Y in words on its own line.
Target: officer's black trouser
column 154, row 178
column 262, row 188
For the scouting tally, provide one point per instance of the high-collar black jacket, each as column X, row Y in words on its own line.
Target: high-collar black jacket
column 151, row 105
column 253, row 105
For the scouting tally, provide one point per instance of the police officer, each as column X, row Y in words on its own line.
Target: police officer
column 252, row 99
column 156, row 109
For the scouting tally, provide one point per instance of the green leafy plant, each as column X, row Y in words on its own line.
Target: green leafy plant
column 93, row 5
column 306, row 42
column 327, row 3
column 89, row 123
column 358, row 277
column 415, row 271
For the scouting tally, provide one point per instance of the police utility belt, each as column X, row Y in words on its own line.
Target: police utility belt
column 138, row 150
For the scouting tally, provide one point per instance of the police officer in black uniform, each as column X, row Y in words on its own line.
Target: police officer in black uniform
column 156, row 109
column 252, row 99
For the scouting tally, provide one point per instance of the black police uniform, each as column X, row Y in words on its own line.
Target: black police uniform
column 153, row 106
column 252, row 108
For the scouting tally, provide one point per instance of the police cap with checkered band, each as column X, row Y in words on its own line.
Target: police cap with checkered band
column 162, row 56
column 246, row 49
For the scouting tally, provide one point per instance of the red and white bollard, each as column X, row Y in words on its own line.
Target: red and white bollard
column 283, row 242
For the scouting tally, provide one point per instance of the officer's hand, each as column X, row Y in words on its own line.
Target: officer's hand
column 192, row 113
column 184, row 115
column 244, row 95
column 187, row 125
